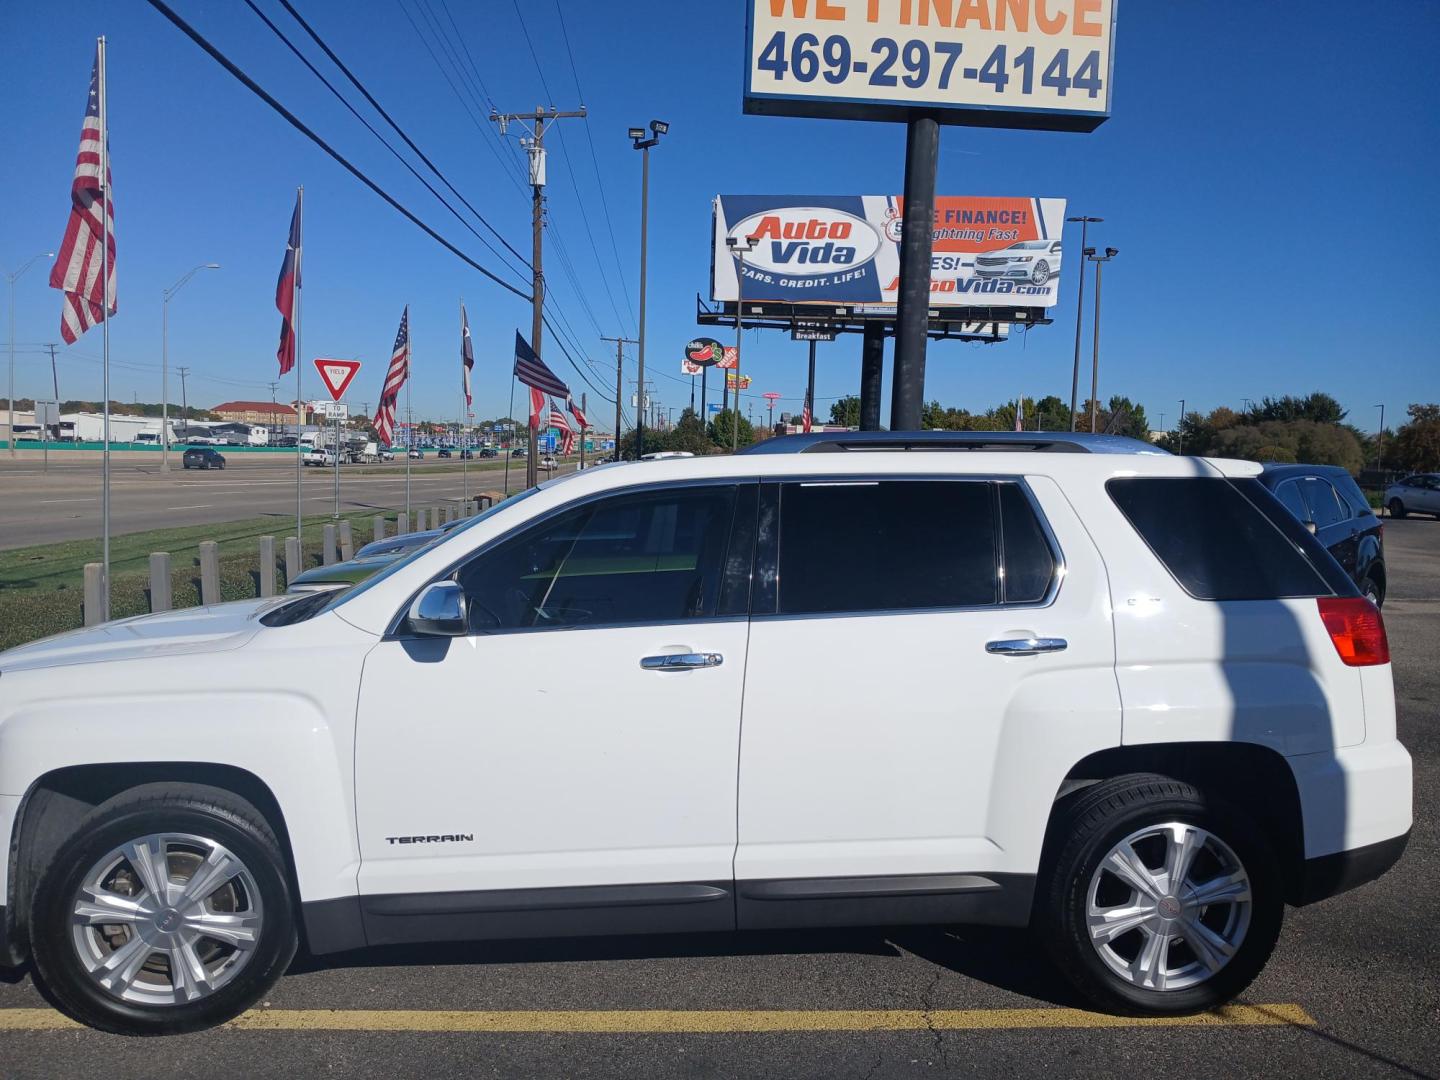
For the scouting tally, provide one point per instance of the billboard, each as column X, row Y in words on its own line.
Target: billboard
column 845, row 249
column 992, row 63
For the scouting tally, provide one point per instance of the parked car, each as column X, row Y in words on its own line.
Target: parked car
column 1327, row 501
column 1129, row 702
column 1035, row 261
column 1419, row 492
column 202, row 457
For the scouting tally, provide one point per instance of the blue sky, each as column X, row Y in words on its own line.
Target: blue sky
column 1269, row 175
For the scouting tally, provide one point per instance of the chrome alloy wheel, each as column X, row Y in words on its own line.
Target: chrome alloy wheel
column 166, row 919
column 1168, row 906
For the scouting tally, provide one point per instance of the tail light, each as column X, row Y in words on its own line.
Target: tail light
column 1356, row 629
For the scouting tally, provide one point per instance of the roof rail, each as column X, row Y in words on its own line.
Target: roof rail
column 1008, row 442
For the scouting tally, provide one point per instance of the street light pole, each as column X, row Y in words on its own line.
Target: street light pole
column 165, row 360
column 643, row 144
column 1180, row 430
column 1099, row 261
column 1380, row 440
column 1079, row 315
column 12, row 278
column 739, row 245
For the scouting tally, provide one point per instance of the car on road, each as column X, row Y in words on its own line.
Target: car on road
column 1033, row 261
column 444, row 451
column 202, row 457
column 1129, row 702
column 415, row 454
column 488, row 452
column 519, row 451
column 1417, row 493
column 321, row 457
column 386, row 454
column 1328, row 502
column 548, row 463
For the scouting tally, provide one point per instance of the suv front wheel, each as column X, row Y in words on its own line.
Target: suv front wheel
column 168, row 910
column 1158, row 898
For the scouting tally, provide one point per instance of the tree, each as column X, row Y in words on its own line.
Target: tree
column 1417, row 443
column 1318, row 407
column 722, row 429
column 689, row 434
column 846, row 411
column 1309, row 441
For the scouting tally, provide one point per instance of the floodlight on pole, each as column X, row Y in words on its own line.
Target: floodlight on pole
column 1099, row 261
column 739, row 246
column 1085, row 223
column 643, row 145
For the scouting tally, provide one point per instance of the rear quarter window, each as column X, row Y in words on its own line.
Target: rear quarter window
column 1227, row 540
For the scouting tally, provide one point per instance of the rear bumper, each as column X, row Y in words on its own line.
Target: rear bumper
column 1330, row 875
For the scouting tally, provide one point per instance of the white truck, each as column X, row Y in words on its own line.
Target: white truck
column 322, row 456
column 1129, row 701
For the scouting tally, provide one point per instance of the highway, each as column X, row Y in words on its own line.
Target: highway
column 38, row 507
column 1351, row 991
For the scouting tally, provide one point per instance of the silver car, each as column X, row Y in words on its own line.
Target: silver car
column 1418, row 493
column 1035, row 261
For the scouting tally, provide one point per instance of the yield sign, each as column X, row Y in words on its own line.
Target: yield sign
column 336, row 374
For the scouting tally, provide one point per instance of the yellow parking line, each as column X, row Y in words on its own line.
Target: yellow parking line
column 722, row 1021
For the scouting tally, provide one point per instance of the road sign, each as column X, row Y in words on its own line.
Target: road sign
column 333, row 410
column 807, row 330
column 336, row 374
column 713, row 406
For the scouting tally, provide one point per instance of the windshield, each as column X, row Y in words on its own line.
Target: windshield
column 1030, row 245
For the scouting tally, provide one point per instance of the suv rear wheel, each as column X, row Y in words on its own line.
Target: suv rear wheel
column 168, row 910
column 1158, row 898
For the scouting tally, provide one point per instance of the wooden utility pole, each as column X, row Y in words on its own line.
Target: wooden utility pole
column 620, row 343
column 535, row 147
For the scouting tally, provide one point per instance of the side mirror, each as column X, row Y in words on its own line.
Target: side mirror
column 440, row 611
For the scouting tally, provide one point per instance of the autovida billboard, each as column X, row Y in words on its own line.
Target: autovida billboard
column 845, row 249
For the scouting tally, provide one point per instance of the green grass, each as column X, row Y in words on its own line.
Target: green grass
column 41, row 588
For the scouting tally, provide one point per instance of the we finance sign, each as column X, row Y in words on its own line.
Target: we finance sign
column 994, row 63
column 846, row 249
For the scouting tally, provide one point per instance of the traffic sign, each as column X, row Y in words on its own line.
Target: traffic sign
column 336, row 374
column 334, row 410
column 810, row 330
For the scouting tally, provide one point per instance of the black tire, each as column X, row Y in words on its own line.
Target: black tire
column 201, row 810
column 1093, row 821
column 1372, row 590
column 1397, row 509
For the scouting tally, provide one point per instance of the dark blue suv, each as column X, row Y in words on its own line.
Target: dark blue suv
column 1331, row 505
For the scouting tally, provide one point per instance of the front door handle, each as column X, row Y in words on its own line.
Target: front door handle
column 681, row 661
column 1030, row 646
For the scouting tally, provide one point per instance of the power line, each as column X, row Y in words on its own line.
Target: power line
column 384, row 142
column 295, row 122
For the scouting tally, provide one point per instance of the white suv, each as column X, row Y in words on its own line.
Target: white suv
column 1060, row 681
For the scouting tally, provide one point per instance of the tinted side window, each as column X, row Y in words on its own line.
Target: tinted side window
column 889, row 544
column 1029, row 564
column 1325, row 508
column 1351, row 495
column 653, row 557
column 1289, row 494
column 1214, row 541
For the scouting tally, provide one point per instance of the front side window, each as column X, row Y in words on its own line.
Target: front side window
column 887, row 545
column 646, row 557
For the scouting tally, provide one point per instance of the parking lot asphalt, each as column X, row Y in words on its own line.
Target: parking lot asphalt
column 1353, row 989
column 37, row 507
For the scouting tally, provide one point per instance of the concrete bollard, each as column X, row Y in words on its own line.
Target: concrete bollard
column 160, row 598
column 421, row 521
column 437, row 516
column 293, row 565
column 377, row 527
column 402, row 523
column 347, row 545
column 94, row 582
column 327, row 546
column 267, row 566
column 209, row 572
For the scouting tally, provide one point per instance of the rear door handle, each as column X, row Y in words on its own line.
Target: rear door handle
column 1026, row 646
column 681, row 661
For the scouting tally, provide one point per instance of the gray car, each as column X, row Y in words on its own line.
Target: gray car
column 1417, row 493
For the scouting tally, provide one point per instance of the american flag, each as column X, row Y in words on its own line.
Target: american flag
column 285, row 292
column 806, row 417
column 394, row 380
column 77, row 270
column 531, row 370
column 467, row 354
column 567, row 434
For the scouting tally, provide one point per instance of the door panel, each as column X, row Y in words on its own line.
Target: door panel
column 893, row 742
column 546, row 749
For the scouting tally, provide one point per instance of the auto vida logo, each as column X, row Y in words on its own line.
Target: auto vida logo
column 807, row 240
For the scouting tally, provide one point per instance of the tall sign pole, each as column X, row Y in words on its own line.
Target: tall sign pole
column 1049, row 72
column 535, row 148
column 295, row 295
